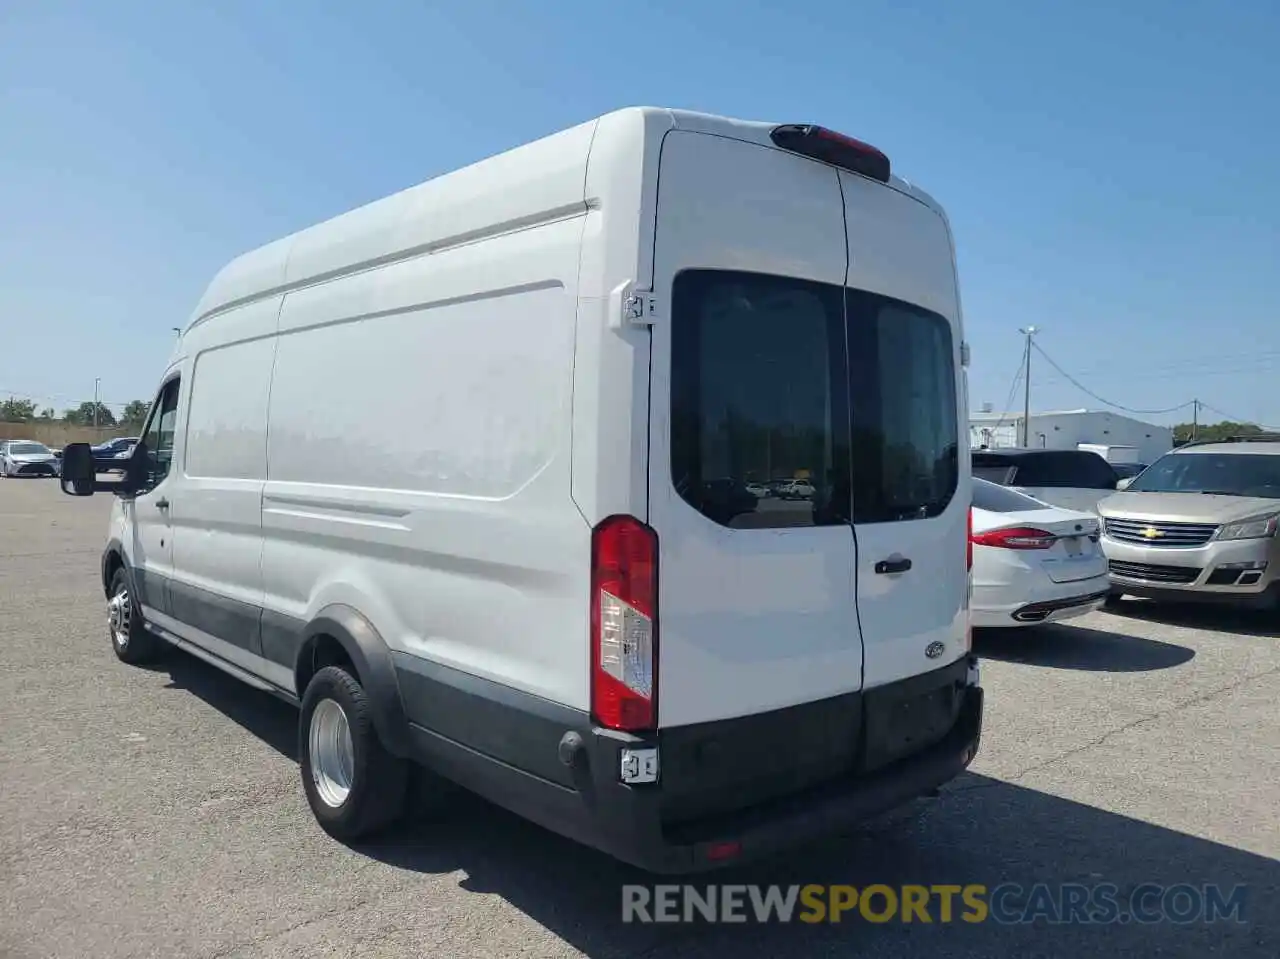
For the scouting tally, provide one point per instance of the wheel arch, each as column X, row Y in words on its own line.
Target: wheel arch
column 372, row 661
column 112, row 560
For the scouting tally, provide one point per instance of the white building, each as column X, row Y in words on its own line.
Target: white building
column 1065, row 430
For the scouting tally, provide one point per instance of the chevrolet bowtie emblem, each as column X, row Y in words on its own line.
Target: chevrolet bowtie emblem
column 1152, row 533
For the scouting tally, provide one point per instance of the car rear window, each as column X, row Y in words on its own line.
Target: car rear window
column 1000, row 499
column 849, row 394
column 1076, row 469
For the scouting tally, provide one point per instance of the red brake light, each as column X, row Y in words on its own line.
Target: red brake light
column 834, row 148
column 624, row 624
column 1019, row 537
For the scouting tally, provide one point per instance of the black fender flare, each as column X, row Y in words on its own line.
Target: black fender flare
column 114, row 550
column 372, row 659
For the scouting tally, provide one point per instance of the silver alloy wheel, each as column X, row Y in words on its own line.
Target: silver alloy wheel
column 332, row 753
column 120, row 616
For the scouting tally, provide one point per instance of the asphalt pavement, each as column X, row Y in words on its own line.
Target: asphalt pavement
column 158, row 812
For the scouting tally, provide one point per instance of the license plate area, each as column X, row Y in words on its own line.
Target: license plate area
column 905, row 717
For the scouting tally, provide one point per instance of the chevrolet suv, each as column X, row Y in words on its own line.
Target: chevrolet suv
column 1200, row 523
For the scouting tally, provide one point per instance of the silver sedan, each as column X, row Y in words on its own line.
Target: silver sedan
column 27, row 458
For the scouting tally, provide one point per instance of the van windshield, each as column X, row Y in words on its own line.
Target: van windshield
column 796, row 403
column 1232, row 474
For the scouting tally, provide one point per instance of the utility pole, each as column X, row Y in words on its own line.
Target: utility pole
column 1028, row 332
column 97, row 380
column 1195, row 418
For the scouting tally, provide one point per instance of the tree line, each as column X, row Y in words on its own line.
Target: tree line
column 14, row 410
column 1184, row 432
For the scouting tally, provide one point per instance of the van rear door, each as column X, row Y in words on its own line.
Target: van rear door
column 749, row 387
column 910, row 494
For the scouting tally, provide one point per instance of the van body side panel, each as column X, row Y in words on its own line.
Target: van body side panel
column 419, row 463
column 756, row 608
column 900, row 253
column 217, row 509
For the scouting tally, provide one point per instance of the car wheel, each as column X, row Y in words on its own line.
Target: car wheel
column 129, row 637
column 354, row 786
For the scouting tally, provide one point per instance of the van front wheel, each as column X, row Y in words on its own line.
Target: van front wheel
column 354, row 786
column 129, row 637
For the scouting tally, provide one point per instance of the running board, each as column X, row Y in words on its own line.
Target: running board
column 229, row 668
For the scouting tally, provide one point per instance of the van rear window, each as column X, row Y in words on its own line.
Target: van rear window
column 759, row 402
column 798, row 404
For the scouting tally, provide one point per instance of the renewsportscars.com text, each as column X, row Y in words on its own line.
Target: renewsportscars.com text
column 1007, row 903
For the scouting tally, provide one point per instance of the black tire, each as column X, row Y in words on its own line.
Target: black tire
column 132, row 643
column 1113, row 600
column 376, row 796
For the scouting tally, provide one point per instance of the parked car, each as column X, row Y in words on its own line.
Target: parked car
column 796, row 489
column 1072, row 479
column 759, row 490
column 529, row 591
column 1032, row 562
column 1200, row 523
column 27, row 458
column 112, row 455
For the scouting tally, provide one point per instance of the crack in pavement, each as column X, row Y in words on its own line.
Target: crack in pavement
column 1111, row 734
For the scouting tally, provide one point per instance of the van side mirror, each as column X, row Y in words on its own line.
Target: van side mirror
column 78, row 474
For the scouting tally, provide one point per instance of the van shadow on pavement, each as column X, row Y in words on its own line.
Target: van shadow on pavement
column 1063, row 646
column 980, row 830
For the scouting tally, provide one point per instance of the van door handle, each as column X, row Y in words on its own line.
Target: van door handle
column 895, row 565
column 163, row 503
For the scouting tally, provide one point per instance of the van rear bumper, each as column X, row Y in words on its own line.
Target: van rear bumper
column 590, row 804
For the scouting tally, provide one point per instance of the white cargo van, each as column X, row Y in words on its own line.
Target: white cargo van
column 464, row 473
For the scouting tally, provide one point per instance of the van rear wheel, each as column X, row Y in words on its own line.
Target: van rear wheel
column 354, row 786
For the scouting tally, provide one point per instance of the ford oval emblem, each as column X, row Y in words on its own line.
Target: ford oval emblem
column 935, row 649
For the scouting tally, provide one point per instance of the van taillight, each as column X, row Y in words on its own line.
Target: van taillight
column 624, row 624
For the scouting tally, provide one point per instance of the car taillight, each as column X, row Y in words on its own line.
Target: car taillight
column 624, row 624
column 1018, row 537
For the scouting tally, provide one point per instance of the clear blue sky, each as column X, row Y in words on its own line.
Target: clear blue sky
column 1113, row 177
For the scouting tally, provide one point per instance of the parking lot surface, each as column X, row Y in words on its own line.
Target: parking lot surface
column 158, row 812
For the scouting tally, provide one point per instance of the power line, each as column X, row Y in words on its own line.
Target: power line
column 1008, row 400
column 53, row 398
column 1105, row 402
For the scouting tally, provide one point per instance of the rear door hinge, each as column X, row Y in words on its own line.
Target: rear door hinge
column 640, row 308
column 964, row 355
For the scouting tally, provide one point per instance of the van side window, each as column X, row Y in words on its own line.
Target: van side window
column 759, row 400
column 157, row 439
column 903, row 399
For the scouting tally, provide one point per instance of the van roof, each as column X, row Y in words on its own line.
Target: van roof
column 541, row 182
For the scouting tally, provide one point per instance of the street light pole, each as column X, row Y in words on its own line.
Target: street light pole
column 97, row 381
column 1028, row 332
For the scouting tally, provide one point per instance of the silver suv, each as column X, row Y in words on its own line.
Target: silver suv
column 1200, row 523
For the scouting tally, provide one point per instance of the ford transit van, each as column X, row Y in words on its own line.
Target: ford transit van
column 467, row 475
